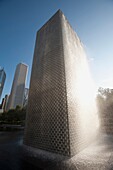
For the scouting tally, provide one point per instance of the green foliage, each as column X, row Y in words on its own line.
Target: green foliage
column 13, row 116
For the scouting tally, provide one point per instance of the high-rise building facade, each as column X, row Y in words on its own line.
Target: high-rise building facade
column 26, row 93
column 2, row 80
column 18, row 87
column 4, row 102
column 61, row 114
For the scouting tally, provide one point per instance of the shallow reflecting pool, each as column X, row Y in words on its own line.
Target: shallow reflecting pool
column 10, row 152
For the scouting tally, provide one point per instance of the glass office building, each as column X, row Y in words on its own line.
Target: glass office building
column 2, row 79
column 18, row 87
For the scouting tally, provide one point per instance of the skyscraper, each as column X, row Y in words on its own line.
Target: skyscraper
column 4, row 102
column 61, row 114
column 18, row 87
column 2, row 80
column 26, row 92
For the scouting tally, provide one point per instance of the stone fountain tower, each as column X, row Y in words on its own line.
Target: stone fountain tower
column 61, row 115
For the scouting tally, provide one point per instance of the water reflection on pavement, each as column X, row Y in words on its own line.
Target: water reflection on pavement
column 10, row 152
column 98, row 156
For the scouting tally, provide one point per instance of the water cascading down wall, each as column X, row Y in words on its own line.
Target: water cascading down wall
column 61, row 115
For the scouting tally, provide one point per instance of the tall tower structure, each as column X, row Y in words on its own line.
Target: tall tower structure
column 17, row 91
column 61, row 114
column 4, row 102
column 2, row 80
column 26, row 93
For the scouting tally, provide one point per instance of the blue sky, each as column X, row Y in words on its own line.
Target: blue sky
column 91, row 19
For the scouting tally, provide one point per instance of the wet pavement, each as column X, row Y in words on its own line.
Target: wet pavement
column 10, row 152
column 98, row 156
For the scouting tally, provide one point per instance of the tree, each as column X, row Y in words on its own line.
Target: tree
column 14, row 116
column 105, row 109
column 104, row 98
